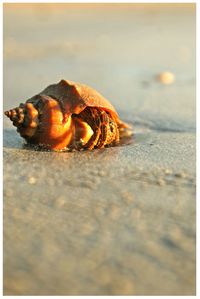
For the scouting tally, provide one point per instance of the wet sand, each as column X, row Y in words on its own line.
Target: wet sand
column 117, row 221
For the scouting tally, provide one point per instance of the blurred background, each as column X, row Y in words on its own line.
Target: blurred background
column 119, row 49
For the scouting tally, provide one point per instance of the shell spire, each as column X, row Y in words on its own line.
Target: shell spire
column 16, row 115
column 25, row 118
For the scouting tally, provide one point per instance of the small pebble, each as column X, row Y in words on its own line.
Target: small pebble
column 168, row 171
column 60, row 202
column 127, row 197
column 32, row 180
column 181, row 175
column 87, row 229
column 102, row 173
column 166, row 78
column 161, row 182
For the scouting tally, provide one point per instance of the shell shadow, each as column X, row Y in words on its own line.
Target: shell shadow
column 12, row 140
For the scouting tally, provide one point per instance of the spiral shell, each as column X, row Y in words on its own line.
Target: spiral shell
column 68, row 115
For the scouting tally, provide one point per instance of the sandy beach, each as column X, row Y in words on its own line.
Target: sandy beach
column 115, row 221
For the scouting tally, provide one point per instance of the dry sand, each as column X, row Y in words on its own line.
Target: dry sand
column 117, row 221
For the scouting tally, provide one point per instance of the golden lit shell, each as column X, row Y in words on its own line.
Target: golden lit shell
column 68, row 114
column 75, row 97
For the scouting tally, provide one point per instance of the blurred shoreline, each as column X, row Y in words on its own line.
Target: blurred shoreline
column 55, row 6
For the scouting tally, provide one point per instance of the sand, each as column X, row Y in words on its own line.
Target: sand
column 116, row 221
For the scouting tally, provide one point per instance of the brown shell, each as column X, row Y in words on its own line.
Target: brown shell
column 75, row 97
column 69, row 115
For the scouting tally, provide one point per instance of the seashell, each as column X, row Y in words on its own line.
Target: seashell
column 69, row 115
